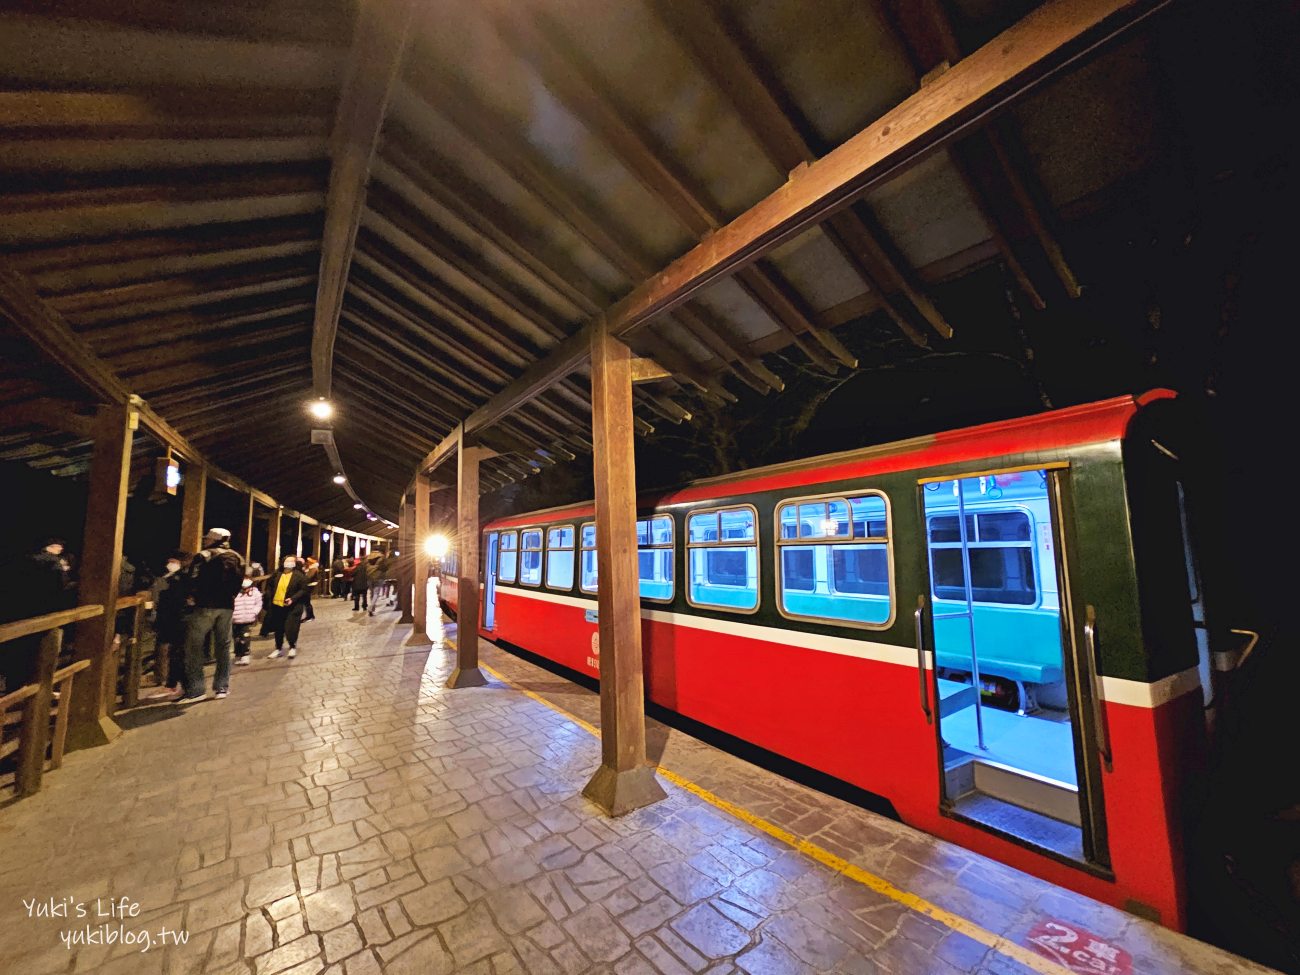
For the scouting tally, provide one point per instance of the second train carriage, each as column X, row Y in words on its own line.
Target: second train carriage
column 998, row 629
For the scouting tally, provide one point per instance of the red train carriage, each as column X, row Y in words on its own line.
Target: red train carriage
column 999, row 630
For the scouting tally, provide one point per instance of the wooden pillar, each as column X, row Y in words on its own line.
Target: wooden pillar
column 192, row 507
column 624, row 781
column 34, row 734
column 405, row 562
column 273, row 540
column 101, row 564
column 420, row 527
column 244, row 534
column 467, row 673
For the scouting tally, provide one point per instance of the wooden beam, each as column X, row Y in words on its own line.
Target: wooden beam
column 377, row 46
column 101, row 561
column 467, row 673
column 52, row 413
column 975, row 90
column 25, row 310
column 624, row 780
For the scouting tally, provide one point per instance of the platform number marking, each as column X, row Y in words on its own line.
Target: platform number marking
column 1079, row 950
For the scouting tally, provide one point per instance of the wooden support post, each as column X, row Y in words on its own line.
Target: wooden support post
column 273, row 540
column 134, row 656
column 420, row 525
column 192, row 506
column 405, row 562
column 34, row 735
column 244, row 534
column 101, row 564
column 467, row 673
column 624, row 781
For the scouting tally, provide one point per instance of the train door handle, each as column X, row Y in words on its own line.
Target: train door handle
column 920, row 660
column 1094, row 690
column 1252, row 638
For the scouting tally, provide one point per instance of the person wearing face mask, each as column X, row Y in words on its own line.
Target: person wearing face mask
column 247, row 605
column 168, row 626
column 286, row 591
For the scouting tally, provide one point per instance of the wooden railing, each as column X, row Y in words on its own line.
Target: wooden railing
column 133, row 655
column 37, row 697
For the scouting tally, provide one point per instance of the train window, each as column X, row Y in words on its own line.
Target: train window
column 1000, row 544
column 723, row 558
column 654, row 540
column 508, row 557
column 834, row 560
column 559, row 557
column 588, row 578
column 530, row 571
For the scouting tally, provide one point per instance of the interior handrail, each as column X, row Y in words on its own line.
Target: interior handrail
column 50, row 621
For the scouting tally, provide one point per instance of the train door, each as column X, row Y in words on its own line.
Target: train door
column 490, row 584
column 1007, row 714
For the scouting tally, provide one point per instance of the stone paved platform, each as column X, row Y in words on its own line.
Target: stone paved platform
column 343, row 813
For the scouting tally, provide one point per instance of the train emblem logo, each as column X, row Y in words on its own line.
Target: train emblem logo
column 1079, row 950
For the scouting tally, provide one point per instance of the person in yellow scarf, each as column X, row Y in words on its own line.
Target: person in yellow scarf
column 285, row 592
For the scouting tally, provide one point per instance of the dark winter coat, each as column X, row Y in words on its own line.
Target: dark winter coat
column 169, row 605
column 35, row 586
column 213, row 577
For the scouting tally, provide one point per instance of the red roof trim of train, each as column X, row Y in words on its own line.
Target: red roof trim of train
column 1097, row 422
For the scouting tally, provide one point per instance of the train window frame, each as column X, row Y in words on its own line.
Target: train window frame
column 783, row 543
column 1031, row 544
column 757, row 544
column 501, row 538
column 583, row 549
column 541, row 547
column 653, row 546
column 572, row 548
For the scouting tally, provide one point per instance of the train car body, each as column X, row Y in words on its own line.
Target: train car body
column 994, row 629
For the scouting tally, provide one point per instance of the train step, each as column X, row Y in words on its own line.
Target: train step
column 1038, row 793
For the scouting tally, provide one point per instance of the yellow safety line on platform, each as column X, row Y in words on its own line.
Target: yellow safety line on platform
column 880, row 885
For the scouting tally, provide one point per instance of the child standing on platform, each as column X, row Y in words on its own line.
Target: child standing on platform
column 247, row 605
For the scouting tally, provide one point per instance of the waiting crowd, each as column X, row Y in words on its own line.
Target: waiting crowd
column 205, row 603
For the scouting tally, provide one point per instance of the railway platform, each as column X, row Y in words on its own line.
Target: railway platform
column 345, row 813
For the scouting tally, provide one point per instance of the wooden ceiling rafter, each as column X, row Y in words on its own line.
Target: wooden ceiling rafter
column 486, row 129
column 932, row 45
column 574, row 83
column 719, row 51
column 963, row 98
column 378, row 42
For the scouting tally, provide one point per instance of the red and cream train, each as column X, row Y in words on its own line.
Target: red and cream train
column 1000, row 630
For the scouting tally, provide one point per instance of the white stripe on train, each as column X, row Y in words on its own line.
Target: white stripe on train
column 1115, row 690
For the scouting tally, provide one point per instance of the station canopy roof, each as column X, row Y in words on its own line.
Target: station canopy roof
column 235, row 206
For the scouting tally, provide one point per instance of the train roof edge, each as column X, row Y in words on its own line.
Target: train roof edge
column 1094, row 422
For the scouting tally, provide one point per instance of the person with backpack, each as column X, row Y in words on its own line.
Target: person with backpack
column 211, row 581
